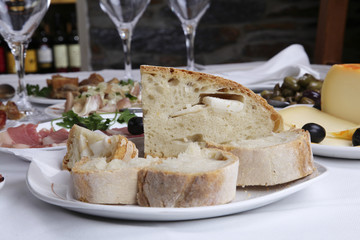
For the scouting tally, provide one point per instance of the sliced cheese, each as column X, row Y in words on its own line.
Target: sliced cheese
column 340, row 94
column 298, row 116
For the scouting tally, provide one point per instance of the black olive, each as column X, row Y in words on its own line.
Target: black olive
column 317, row 132
column 136, row 126
column 314, row 95
column 356, row 137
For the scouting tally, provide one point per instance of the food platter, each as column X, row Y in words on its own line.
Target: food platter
column 49, row 183
column 46, row 101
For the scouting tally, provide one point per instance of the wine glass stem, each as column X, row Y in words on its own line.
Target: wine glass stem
column 189, row 31
column 126, row 34
column 18, row 49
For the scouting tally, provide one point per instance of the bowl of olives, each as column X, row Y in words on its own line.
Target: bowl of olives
column 303, row 90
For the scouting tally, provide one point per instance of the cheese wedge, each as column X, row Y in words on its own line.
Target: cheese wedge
column 340, row 94
column 298, row 116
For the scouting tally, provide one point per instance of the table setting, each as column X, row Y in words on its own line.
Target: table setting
column 37, row 193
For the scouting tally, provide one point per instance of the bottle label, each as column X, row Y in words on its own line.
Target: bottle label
column 44, row 54
column 61, row 56
column 75, row 55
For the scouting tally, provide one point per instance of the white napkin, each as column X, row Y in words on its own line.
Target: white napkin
column 292, row 61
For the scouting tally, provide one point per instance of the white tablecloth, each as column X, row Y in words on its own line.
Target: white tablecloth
column 327, row 209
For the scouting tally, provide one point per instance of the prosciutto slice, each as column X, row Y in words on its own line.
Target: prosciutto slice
column 27, row 136
column 56, row 137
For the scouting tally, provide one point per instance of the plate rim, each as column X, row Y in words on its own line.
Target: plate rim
column 130, row 212
column 44, row 100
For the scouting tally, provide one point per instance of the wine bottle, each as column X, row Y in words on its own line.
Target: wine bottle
column 74, row 46
column 10, row 61
column 44, row 51
column 2, row 55
column 61, row 61
column 30, row 57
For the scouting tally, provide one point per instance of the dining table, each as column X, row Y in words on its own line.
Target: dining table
column 327, row 208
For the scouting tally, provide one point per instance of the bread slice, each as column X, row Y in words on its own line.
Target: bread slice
column 181, row 107
column 197, row 177
column 272, row 160
column 86, row 143
column 96, row 180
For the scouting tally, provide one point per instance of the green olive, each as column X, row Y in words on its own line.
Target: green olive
column 315, row 85
column 277, row 91
column 286, row 92
column 278, row 98
column 305, row 100
column 306, row 79
column 298, row 96
column 266, row 94
column 291, row 83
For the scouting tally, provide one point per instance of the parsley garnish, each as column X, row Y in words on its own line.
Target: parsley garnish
column 36, row 91
column 128, row 82
column 131, row 97
column 125, row 116
column 93, row 122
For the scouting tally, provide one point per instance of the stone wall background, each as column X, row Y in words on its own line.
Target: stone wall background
column 230, row 31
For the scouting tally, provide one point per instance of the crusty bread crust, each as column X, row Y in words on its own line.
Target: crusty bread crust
column 105, row 186
column 276, row 162
column 168, row 91
column 166, row 188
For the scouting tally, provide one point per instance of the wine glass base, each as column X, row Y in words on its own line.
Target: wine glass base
column 31, row 114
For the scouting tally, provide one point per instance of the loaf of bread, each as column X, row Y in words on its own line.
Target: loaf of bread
column 272, row 160
column 182, row 106
column 86, row 143
column 197, row 177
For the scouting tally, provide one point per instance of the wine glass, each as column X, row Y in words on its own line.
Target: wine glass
column 125, row 14
column 189, row 12
column 18, row 21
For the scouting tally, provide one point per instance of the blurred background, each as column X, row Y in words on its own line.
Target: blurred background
column 231, row 31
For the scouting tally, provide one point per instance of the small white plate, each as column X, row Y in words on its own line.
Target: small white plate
column 347, row 152
column 49, row 183
column 46, row 101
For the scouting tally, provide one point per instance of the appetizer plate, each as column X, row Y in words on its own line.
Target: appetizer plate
column 29, row 153
column 47, row 101
column 49, row 183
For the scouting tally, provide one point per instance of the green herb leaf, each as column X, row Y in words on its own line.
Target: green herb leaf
column 128, row 82
column 93, row 122
column 131, row 97
column 125, row 116
column 36, row 91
